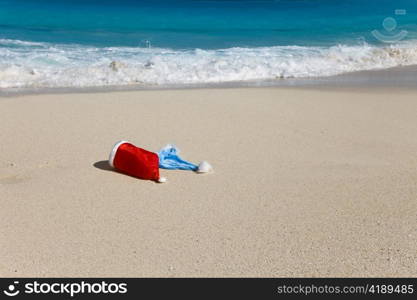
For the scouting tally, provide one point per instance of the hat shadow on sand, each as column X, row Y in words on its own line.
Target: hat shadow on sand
column 105, row 166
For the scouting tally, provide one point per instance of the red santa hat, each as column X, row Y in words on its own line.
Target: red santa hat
column 134, row 161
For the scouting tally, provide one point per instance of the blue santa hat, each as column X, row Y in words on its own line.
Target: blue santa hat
column 169, row 159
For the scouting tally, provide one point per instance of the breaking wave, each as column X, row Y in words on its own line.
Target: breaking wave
column 34, row 65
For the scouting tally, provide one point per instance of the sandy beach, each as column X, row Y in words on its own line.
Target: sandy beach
column 307, row 182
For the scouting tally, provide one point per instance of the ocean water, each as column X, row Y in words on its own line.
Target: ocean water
column 90, row 43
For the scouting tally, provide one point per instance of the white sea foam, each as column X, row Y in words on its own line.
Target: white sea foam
column 28, row 64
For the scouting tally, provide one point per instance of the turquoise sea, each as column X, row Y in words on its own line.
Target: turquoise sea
column 86, row 43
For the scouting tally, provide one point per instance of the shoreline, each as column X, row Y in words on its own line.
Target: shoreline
column 306, row 183
column 404, row 77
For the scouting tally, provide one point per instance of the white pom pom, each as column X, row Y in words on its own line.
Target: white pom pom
column 162, row 180
column 204, row 167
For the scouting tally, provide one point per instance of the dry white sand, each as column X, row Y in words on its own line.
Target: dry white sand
column 306, row 183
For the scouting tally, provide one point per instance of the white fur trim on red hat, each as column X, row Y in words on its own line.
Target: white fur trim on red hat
column 162, row 180
column 113, row 152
